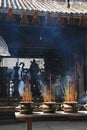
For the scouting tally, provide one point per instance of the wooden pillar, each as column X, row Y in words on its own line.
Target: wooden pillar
column 85, row 63
column 29, row 123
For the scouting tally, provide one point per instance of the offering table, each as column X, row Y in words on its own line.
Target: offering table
column 59, row 115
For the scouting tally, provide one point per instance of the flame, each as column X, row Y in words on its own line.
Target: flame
column 70, row 94
column 48, row 97
column 27, row 97
column 47, row 93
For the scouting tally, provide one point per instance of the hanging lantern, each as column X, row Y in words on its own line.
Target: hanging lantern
column 48, row 18
column 10, row 15
column 60, row 20
column 70, row 19
column 24, row 19
column 82, row 21
column 59, row 17
column 35, row 19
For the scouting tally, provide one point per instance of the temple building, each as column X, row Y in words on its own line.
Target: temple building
column 40, row 39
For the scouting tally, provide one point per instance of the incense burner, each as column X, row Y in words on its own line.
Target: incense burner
column 85, row 106
column 70, row 107
column 26, row 107
column 48, row 107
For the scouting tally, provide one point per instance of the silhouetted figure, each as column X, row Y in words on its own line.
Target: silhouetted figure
column 20, row 70
column 16, row 81
column 21, row 78
column 35, row 91
column 34, row 70
column 58, row 89
column 3, row 81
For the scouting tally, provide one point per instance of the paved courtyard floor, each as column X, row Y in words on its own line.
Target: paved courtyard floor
column 47, row 125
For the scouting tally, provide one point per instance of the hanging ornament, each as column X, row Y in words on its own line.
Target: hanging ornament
column 48, row 18
column 24, row 19
column 10, row 15
column 70, row 19
column 60, row 20
column 82, row 21
column 35, row 19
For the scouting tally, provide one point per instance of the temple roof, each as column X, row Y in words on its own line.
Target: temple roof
column 54, row 6
column 44, row 38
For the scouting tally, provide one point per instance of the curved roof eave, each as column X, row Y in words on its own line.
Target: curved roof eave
column 43, row 6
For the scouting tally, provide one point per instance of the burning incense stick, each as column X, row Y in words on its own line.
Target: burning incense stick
column 50, row 88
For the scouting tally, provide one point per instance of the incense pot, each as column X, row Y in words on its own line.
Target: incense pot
column 48, row 107
column 70, row 107
column 26, row 107
column 85, row 106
